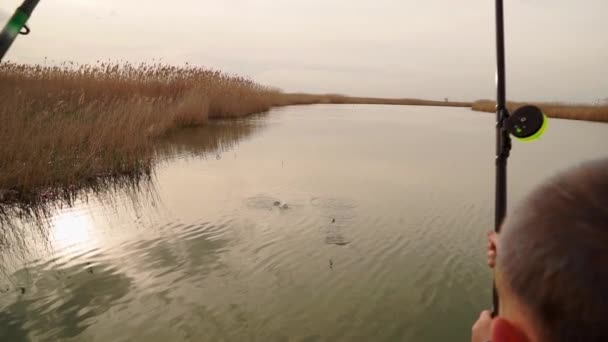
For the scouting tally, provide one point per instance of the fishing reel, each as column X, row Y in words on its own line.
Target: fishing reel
column 527, row 123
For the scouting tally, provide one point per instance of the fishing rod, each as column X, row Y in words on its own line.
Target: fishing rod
column 16, row 25
column 526, row 123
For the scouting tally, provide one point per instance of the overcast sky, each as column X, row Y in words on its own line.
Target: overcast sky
column 556, row 49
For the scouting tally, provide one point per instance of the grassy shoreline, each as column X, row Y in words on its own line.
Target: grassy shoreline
column 67, row 127
column 597, row 113
column 290, row 99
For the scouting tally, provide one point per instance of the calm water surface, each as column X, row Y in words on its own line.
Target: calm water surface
column 382, row 238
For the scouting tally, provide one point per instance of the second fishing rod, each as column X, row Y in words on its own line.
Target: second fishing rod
column 16, row 25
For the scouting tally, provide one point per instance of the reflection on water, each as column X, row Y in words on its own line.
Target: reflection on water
column 72, row 229
column 65, row 301
column 332, row 223
column 212, row 139
column 67, row 294
column 133, row 186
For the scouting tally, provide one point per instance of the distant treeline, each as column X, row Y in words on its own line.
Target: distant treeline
column 300, row 98
column 554, row 110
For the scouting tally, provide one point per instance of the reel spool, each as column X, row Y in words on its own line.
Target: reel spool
column 527, row 123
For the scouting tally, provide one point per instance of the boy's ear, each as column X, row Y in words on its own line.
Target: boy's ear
column 505, row 331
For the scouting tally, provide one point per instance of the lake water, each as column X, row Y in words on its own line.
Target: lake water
column 382, row 239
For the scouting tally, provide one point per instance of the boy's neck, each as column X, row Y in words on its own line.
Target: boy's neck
column 515, row 323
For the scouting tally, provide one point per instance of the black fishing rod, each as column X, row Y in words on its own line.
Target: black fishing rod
column 526, row 123
column 16, row 25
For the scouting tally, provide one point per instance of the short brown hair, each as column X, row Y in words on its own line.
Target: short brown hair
column 554, row 254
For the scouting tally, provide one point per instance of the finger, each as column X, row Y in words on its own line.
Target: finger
column 493, row 238
column 485, row 314
column 491, row 256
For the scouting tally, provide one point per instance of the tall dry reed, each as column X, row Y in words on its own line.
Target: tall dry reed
column 63, row 126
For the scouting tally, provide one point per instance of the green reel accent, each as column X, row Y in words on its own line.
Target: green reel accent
column 539, row 133
column 16, row 23
column 527, row 123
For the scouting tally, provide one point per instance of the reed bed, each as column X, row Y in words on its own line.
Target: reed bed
column 597, row 113
column 65, row 126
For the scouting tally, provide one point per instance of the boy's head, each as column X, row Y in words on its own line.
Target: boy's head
column 552, row 263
